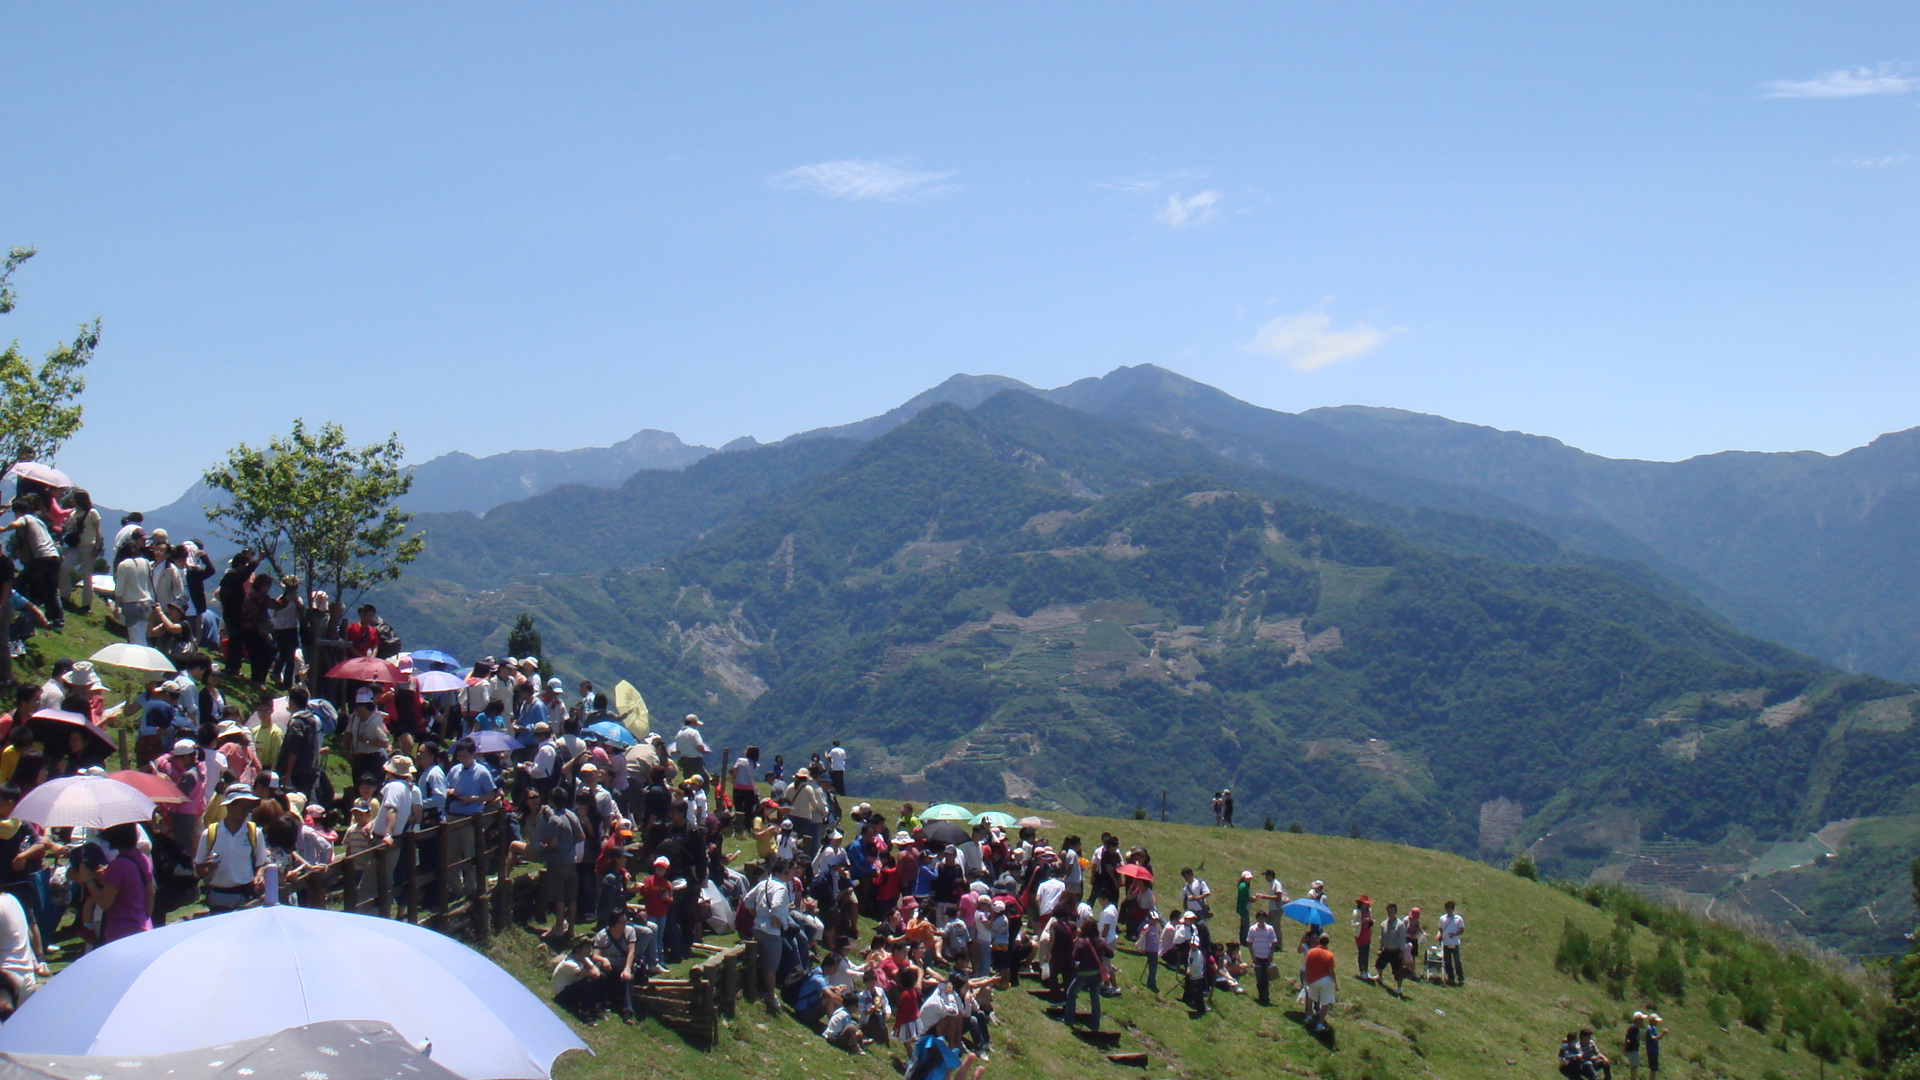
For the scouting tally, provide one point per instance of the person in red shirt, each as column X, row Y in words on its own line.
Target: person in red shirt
column 1320, row 981
column 656, row 893
column 886, row 886
column 364, row 636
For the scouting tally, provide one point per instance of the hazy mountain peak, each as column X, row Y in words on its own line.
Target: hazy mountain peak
column 963, row 390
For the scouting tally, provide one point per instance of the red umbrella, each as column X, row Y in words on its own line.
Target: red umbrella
column 1135, row 870
column 368, row 669
column 54, row 725
column 158, row 788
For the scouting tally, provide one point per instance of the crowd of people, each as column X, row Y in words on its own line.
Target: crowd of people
column 877, row 930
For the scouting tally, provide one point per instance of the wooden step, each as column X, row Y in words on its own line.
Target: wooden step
column 1098, row 1038
column 1137, row 1059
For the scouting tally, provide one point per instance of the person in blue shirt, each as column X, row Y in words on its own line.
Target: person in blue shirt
column 470, row 790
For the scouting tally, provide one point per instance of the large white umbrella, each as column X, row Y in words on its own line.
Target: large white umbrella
column 84, row 802
column 138, row 657
column 250, row 973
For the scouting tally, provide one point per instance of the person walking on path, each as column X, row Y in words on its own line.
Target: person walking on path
column 1089, row 971
column 1451, row 927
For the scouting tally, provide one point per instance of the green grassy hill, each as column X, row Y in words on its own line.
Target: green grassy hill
column 1506, row 1022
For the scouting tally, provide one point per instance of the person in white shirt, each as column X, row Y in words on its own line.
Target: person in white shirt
column 393, row 819
column 1451, row 927
column 837, row 768
column 689, row 749
column 232, row 854
column 133, row 594
column 772, row 904
column 1194, row 893
column 1261, row 940
column 19, row 951
column 1047, row 896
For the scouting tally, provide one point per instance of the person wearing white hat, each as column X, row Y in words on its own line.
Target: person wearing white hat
column 689, row 749
column 394, row 818
column 366, row 737
column 231, row 856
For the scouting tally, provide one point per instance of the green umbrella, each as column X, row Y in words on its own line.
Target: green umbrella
column 946, row 811
column 993, row 817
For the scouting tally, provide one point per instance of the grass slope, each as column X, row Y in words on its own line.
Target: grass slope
column 1506, row 1022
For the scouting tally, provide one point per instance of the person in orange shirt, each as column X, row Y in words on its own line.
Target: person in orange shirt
column 1321, row 982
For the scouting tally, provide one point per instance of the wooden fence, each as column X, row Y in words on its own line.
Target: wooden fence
column 486, row 903
column 713, row 989
column 452, row 877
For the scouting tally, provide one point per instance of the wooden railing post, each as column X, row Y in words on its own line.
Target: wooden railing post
column 502, row 853
column 382, row 882
column 700, row 1008
column 410, row 865
column 443, row 876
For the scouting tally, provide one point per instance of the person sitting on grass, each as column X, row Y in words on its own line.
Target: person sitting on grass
column 842, row 1028
column 617, row 949
column 576, row 980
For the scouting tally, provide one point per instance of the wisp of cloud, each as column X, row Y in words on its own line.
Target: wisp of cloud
column 1857, row 82
column 1308, row 342
column 854, row 180
column 1181, row 213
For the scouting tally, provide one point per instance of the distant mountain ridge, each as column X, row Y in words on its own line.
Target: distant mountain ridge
column 459, row 481
column 1026, row 601
column 1802, row 548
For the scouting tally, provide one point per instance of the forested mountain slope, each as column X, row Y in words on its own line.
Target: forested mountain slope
column 1023, row 601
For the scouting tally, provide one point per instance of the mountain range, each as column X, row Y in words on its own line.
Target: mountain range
column 1137, row 588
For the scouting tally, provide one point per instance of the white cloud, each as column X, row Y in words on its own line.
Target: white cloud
column 1182, row 212
column 1147, row 185
column 1308, row 341
column 1878, row 162
column 1846, row 83
column 855, row 180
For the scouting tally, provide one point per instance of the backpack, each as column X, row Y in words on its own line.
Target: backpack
column 389, row 644
column 253, row 834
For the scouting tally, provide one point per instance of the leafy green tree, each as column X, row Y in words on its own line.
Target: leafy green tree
column 326, row 506
column 39, row 410
column 1900, row 1029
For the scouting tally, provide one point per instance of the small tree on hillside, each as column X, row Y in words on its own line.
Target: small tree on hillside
column 38, row 407
column 524, row 640
column 326, row 507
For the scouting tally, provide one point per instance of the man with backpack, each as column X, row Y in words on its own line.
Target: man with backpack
column 299, row 757
column 232, row 854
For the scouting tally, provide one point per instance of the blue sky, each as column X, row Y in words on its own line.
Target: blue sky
column 1647, row 231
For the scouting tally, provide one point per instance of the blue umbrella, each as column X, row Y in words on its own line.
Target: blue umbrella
column 494, row 742
column 610, row 731
column 433, row 656
column 1311, row 912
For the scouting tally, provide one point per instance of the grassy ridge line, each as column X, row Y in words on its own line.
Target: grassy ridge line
column 1506, row 1023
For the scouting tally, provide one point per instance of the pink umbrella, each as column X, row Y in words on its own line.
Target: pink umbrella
column 40, row 474
column 368, row 669
column 158, row 788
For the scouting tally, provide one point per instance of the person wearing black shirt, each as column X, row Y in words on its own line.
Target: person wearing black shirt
column 299, row 764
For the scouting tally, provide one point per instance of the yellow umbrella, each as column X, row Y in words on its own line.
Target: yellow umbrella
column 631, row 708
